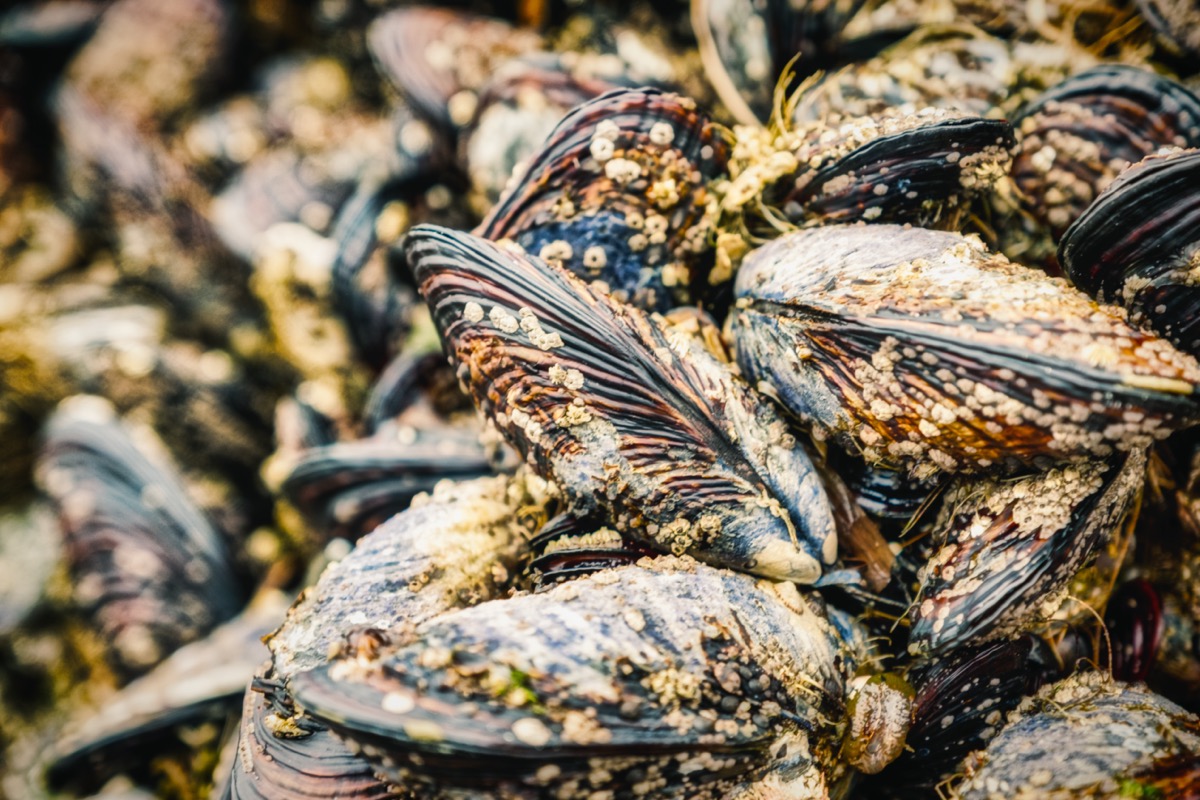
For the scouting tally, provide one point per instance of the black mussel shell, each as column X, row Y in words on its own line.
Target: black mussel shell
column 959, row 705
column 195, row 684
column 1177, row 23
column 440, row 58
column 919, row 348
column 150, row 568
column 532, row 699
column 888, row 494
column 457, row 547
column 1138, row 245
column 518, row 109
column 1135, row 622
column 282, row 758
column 618, row 193
column 1075, row 139
column 372, row 299
column 277, row 186
column 648, row 432
column 1007, row 546
column 402, row 385
column 568, row 547
column 747, row 46
column 346, row 489
column 953, row 66
column 922, row 168
column 1083, row 736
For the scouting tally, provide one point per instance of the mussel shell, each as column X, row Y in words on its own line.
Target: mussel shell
column 595, row 395
column 440, row 58
column 618, row 193
column 919, row 168
column 1007, row 546
column 959, row 705
column 1075, row 138
column 1082, row 735
column 372, row 299
column 400, row 386
column 1146, row 267
column 277, row 186
column 36, row 24
column 748, row 45
column 456, row 548
column 346, row 489
column 952, row 66
column 918, row 348
column 309, row 766
column 518, row 109
column 621, row 695
column 1177, row 22
column 568, row 547
column 196, row 683
column 151, row 569
column 149, row 61
column 1135, row 622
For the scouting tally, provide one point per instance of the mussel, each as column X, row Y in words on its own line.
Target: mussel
column 648, row 431
column 919, row 348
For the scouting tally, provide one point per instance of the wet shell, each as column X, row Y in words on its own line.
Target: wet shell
column 1148, row 267
column 955, row 66
column 439, row 58
column 540, row 700
column 1177, row 22
column 518, row 109
column 568, row 547
column 895, row 166
column 959, row 706
column 196, row 683
column 1077, row 137
column 649, row 432
column 372, row 299
column 147, row 565
column 1009, row 546
column 747, row 45
column 1078, row 737
column 346, row 489
column 618, row 193
column 457, row 547
column 1135, row 623
column 918, row 348
column 275, row 762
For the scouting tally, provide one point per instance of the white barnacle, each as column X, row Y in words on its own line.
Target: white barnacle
column 661, row 133
column 595, row 258
column 503, row 320
column 532, row 731
column 622, row 171
column 607, row 129
column 473, row 312
column 557, row 251
column 602, row 149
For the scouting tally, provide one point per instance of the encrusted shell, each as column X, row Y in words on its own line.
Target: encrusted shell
column 1007, row 547
column 618, row 193
column 1138, row 245
column 919, row 348
column 1083, row 735
column 1075, row 139
column 685, row 682
column 647, row 431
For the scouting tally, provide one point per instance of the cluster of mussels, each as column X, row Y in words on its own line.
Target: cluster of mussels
column 728, row 456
